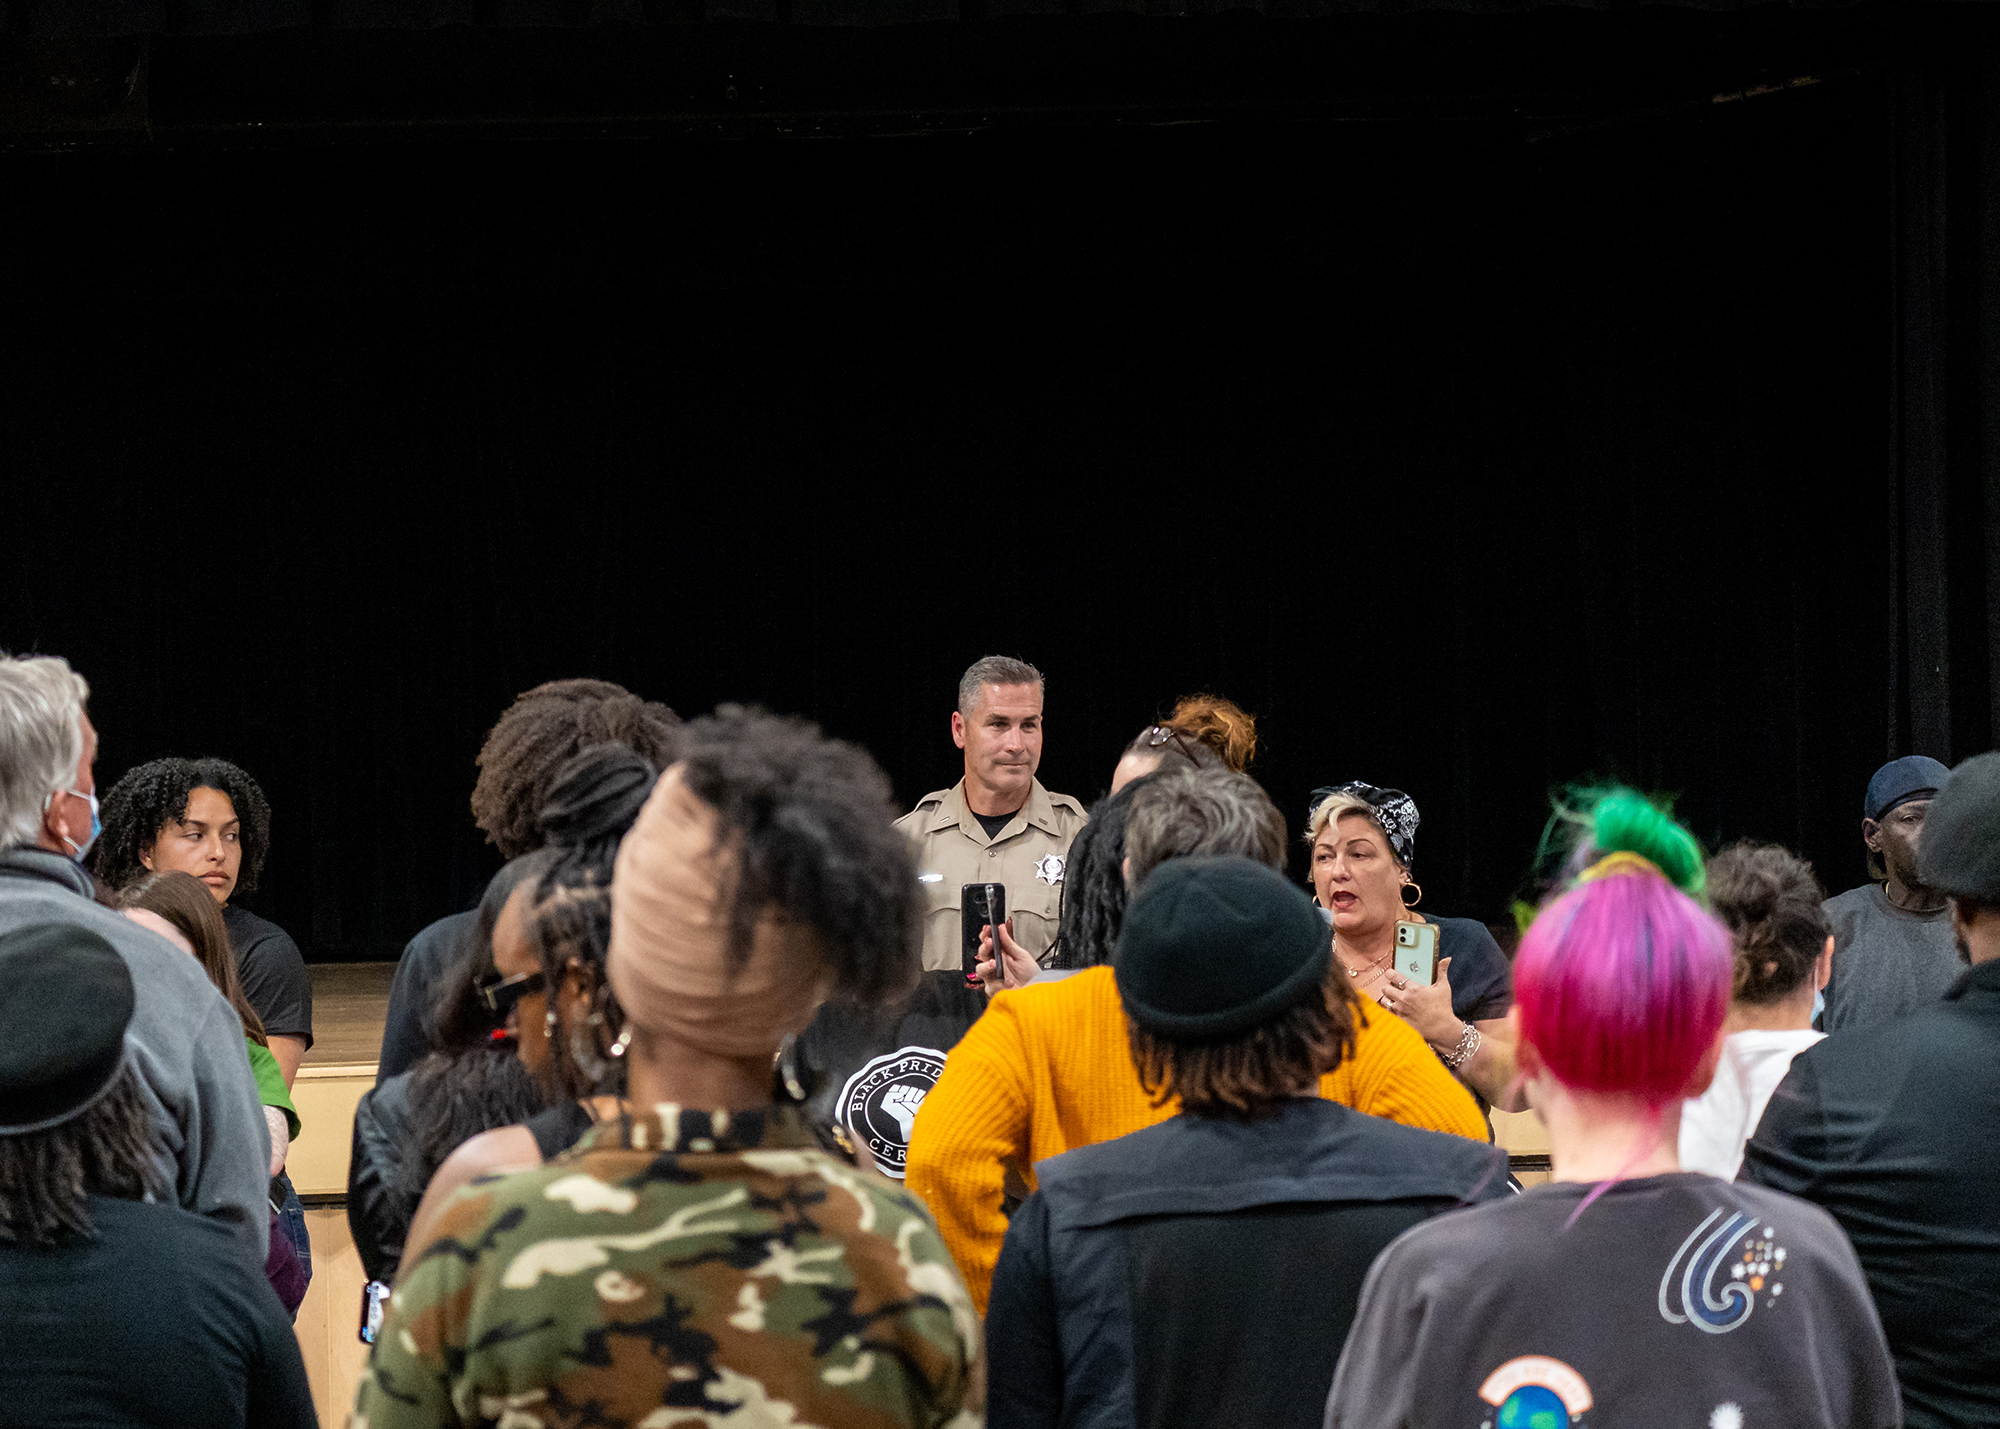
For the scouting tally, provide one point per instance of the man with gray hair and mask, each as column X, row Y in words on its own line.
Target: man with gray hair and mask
column 997, row 824
column 211, row 1149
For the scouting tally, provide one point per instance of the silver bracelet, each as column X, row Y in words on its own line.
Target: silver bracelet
column 1468, row 1045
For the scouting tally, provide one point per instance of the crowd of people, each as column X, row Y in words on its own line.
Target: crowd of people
column 741, row 1099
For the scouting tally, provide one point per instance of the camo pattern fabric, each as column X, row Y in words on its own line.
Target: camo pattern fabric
column 680, row 1268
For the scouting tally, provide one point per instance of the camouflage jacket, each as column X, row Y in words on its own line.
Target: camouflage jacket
column 683, row 1268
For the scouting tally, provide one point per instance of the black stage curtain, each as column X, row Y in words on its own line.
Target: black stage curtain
column 1472, row 465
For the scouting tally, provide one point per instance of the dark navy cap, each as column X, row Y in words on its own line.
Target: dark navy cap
column 1901, row 780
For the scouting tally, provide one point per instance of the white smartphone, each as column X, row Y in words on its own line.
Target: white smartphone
column 1417, row 951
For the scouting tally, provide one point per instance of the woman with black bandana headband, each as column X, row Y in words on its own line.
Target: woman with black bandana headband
column 1363, row 841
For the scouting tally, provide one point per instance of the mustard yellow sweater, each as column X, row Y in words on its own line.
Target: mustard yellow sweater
column 1049, row 1067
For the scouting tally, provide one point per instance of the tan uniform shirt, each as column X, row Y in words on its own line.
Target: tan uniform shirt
column 1027, row 855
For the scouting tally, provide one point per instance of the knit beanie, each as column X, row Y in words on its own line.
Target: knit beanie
column 1959, row 853
column 1213, row 947
column 62, row 1024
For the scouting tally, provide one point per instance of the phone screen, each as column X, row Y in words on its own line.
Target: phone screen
column 1416, row 952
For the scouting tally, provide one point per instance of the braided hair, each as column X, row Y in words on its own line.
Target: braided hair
column 592, row 802
column 155, row 794
column 1093, row 885
column 544, row 729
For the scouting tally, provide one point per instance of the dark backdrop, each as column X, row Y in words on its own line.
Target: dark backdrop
column 1470, row 464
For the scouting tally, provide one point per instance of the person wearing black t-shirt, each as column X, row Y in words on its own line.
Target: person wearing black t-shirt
column 1626, row 1292
column 208, row 818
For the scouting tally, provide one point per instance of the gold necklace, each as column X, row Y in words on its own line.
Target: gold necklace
column 1373, row 967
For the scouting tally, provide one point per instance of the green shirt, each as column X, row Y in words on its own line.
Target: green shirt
column 271, row 1088
column 687, row 1268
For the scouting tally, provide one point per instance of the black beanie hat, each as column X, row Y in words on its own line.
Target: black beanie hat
column 1213, row 947
column 62, row 1023
column 1959, row 853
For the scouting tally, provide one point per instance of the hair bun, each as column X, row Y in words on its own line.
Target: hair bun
column 595, row 795
column 1626, row 821
column 1219, row 723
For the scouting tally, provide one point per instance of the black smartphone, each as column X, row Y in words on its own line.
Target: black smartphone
column 978, row 905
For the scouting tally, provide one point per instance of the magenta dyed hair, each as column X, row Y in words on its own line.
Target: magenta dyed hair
column 1623, row 983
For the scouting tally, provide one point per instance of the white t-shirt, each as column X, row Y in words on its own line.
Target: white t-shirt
column 1715, row 1124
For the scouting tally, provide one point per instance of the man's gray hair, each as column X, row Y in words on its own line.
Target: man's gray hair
column 1201, row 811
column 41, row 739
column 993, row 670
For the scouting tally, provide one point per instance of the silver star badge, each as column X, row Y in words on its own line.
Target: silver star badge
column 1049, row 868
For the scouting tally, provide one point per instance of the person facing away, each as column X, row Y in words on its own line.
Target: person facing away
column 181, row 909
column 1892, row 937
column 119, row 1307
column 997, row 824
column 1771, row 904
column 541, row 731
column 1626, row 1291
column 210, row 820
column 1895, row 1129
column 550, row 944
column 1203, row 732
column 1205, row 1270
column 1048, row 1067
column 701, row 1260
column 209, row 1144
column 1363, row 843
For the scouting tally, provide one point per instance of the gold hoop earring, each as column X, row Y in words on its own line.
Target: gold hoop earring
column 1407, row 890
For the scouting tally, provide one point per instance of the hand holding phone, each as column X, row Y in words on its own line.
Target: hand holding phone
column 980, row 905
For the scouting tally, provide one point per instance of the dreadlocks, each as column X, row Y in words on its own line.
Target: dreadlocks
column 541, row 731
column 154, row 795
column 46, row 1176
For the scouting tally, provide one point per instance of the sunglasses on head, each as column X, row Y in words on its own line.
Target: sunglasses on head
column 499, row 994
column 1160, row 735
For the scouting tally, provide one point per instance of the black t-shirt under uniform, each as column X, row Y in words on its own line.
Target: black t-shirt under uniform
column 274, row 974
column 1670, row 1300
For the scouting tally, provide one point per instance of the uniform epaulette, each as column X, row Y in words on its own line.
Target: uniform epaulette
column 1075, row 804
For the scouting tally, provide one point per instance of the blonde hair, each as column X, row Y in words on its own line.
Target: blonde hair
column 1339, row 803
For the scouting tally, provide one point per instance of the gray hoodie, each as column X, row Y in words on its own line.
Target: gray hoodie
column 186, row 1043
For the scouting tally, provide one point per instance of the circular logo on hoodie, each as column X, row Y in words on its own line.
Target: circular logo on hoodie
column 879, row 1103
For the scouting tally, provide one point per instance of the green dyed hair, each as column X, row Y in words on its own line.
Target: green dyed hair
column 1591, row 822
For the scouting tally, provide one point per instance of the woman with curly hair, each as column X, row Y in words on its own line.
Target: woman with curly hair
column 1770, row 901
column 207, row 818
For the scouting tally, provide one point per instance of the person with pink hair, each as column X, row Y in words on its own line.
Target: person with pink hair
column 1626, row 1289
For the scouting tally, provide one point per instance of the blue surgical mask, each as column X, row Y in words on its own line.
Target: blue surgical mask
column 80, row 853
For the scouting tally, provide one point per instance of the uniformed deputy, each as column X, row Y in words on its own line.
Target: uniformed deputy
column 997, row 824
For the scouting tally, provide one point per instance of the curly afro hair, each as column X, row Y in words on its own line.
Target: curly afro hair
column 544, row 729
column 154, row 795
column 813, row 819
